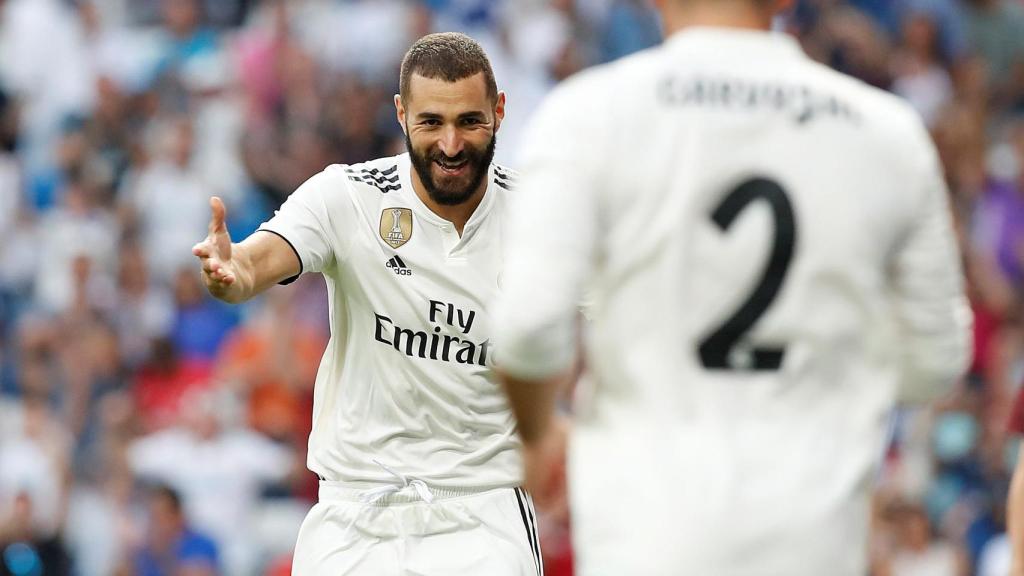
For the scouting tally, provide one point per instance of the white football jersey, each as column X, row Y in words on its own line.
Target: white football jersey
column 773, row 265
column 406, row 379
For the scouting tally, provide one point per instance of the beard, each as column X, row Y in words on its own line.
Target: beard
column 452, row 191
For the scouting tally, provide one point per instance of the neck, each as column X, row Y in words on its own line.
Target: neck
column 458, row 214
column 743, row 14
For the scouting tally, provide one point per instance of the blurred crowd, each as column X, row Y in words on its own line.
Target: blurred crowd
column 147, row 429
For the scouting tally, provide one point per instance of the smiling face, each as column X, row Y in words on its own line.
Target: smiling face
column 450, row 130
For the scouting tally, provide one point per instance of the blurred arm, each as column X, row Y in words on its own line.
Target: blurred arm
column 931, row 307
column 1015, row 516
column 547, row 263
column 932, row 311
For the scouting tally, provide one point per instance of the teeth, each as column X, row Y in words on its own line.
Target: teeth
column 449, row 166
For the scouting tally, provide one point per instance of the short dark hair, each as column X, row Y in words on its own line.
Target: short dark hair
column 167, row 494
column 448, row 56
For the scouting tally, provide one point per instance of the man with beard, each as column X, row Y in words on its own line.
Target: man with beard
column 412, row 438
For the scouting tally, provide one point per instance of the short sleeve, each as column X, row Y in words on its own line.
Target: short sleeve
column 313, row 219
column 930, row 303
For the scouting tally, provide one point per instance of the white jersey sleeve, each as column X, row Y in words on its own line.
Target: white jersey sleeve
column 931, row 310
column 555, row 222
column 313, row 220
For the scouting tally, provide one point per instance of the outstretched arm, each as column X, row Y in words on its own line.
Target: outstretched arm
column 236, row 272
column 930, row 306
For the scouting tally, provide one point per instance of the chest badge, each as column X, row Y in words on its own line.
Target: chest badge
column 396, row 226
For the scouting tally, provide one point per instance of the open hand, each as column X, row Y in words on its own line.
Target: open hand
column 214, row 252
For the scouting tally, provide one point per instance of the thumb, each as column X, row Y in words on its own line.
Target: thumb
column 218, row 212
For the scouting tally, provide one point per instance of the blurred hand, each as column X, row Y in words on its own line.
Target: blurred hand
column 544, row 461
column 214, row 253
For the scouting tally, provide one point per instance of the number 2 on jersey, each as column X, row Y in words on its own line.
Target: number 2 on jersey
column 724, row 348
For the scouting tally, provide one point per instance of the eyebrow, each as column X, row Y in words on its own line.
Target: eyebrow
column 464, row 115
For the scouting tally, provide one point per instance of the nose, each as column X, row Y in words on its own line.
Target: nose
column 451, row 143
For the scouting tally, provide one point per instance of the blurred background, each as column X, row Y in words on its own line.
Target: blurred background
column 147, row 429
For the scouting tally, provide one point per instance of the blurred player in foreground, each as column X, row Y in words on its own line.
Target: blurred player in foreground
column 412, row 437
column 773, row 266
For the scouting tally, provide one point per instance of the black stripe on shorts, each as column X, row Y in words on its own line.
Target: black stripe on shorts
column 531, row 532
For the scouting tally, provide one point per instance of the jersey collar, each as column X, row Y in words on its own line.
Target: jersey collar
column 422, row 210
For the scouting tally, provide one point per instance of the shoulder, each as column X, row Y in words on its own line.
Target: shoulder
column 338, row 181
column 380, row 175
column 330, row 181
column 196, row 545
column 879, row 109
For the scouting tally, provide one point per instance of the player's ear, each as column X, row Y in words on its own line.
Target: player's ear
column 499, row 110
column 400, row 111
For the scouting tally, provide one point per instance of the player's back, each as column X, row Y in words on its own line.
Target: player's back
column 756, row 211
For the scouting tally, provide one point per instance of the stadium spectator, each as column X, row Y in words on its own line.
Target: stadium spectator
column 917, row 553
column 105, row 525
column 918, row 74
column 996, row 32
column 201, row 323
column 145, row 310
column 34, row 469
column 78, row 230
column 272, row 360
column 219, row 469
column 167, row 198
column 44, row 64
column 161, row 383
column 25, row 548
column 631, row 26
column 173, row 547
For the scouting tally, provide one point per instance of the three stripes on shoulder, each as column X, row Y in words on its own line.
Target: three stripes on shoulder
column 383, row 180
column 505, row 177
column 387, row 180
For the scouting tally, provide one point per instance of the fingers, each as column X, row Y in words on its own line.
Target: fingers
column 225, row 278
column 210, row 266
column 213, row 269
column 215, row 273
column 217, row 215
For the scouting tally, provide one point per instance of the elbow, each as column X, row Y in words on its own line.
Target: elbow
column 538, row 351
column 937, row 359
column 924, row 387
column 934, row 374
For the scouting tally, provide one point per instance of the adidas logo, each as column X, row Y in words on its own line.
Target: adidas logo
column 399, row 267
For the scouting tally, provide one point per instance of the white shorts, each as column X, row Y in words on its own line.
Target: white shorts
column 471, row 533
